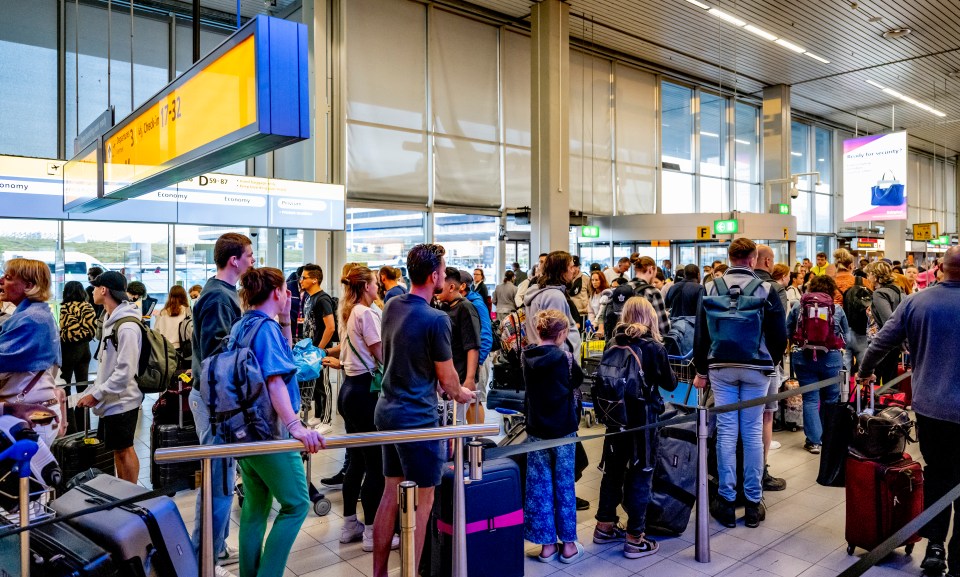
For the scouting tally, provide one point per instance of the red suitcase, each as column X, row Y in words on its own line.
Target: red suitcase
column 882, row 497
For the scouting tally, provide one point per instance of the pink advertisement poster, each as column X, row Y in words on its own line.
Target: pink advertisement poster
column 875, row 177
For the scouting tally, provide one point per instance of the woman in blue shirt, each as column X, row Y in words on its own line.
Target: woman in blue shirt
column 825, row 365
column 278, row 476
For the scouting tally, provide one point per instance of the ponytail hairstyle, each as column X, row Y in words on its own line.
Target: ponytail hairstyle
column 257, row 283
column 354, row 281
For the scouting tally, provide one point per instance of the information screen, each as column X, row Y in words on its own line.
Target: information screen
column 81, row 177
column 875, row 177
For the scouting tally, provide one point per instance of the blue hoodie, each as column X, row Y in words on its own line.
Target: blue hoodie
column 486, row 328
column 29, row 339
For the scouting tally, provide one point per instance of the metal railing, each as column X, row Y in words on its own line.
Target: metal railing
column 205, row 453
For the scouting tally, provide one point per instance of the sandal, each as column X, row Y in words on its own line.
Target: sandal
column 575, row 557
column 551, row 557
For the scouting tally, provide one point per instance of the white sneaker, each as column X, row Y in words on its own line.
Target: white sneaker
column 351, row 532
column 775, row 445
column 221, row 572
column 314, row 422
column 368, row 541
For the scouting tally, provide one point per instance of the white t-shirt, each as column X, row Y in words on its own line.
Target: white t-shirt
column 363, row 328
column 170, row 326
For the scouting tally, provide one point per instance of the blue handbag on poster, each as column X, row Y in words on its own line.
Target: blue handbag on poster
column 887, row 192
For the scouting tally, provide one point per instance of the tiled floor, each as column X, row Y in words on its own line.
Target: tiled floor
column 802, row 535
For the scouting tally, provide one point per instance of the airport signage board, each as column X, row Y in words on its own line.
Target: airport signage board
column 926, row 231
column 247, row 97
column 82, row 179
column 731, row 226
column 590, row 231
column 875, row 183
column 941, row 240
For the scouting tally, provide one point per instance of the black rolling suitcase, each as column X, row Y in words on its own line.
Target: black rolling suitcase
column 147, row 538
column 58, row 550
column 182, row 432
column 81, row 451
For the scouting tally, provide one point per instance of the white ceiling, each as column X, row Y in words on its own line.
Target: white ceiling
column 677, row 35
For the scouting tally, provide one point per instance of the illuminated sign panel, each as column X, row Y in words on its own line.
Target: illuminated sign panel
column 726, row 226
column 247, row 97
column 81, row 177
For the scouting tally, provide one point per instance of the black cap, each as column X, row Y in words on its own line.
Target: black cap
column 112, row 280
column 595, row 267
column 620, row 296
column 466, row 277
column 576, row 260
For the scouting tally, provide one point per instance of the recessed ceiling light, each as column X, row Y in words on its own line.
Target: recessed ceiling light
column 818, row 58
column 710, row 134
column 741, row 141
column 895, row 33
column 728, row 17
column 790, row 46
column 907, row 99
column 874, row 83
column 795, row 154
column 760, row 32
column 699, row 4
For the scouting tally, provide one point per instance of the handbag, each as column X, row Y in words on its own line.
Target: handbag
column 887, row 192
column 882, row 435
column 376, row 384
column 308, row 359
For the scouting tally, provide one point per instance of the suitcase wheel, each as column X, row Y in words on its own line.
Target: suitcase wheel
column 589, row 419
column 321, row 506
column 851, row 549
column 908, row 549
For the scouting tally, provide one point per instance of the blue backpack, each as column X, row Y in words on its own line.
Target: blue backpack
column 734, row 321
column 235, row 390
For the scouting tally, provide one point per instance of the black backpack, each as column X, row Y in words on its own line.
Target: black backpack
column 857, row 300
column 619, row 377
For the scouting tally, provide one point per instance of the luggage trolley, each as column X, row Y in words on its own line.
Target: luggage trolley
column 591, row 353
column 321, row 505
column 685, row 371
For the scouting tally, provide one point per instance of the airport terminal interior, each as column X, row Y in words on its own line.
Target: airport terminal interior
column 349, row 131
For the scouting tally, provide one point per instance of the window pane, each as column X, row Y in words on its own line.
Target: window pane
column 194, row 255
column 713, row 195
column 677, row 193
column 801, row 209
column 746, row 144
column 824, row 162
column 713, row 135
column 471, row 242
column 292, row 250
column 28, row 75
column 382, row 237
column 823, row 213
column 594, row 253
column 677, row 126
column 799, row 152
column 748, row 197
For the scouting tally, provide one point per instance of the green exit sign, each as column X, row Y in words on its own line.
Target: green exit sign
column 943, row 240
column 726, row 226
column 590, row 231
column 784, row 208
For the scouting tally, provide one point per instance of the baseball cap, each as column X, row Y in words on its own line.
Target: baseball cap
column 112, row 280
column 595, row 267
column 576, row 260
column 466, row 277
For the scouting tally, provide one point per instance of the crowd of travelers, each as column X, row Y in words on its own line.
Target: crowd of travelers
column 399, row 341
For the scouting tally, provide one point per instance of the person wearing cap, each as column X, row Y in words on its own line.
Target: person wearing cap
column 114, row 395
column 486, row 331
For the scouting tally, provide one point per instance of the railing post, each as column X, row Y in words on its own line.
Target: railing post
column 24, row 521
column 459, row 512
column 844, row 385
column 475, row 457
column 407, row 499
column 702, row 546
column 206, row 519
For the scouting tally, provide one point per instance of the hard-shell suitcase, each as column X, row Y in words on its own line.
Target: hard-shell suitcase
column 58, row 550
column 506, row 399
column 674, row 480
column 494, row 519
column 182, row 432
column 81, row 451
column 882, row 497
column 147, row 538
column 166, row 410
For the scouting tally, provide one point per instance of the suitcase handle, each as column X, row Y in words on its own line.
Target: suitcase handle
column 859, row 389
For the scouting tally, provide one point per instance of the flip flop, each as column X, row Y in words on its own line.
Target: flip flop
column 575, row 557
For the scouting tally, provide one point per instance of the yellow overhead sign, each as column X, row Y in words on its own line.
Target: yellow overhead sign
column 219, row 100
column 926, row 231
column 704, row 233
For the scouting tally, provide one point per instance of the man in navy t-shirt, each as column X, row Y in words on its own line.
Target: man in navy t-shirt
column 417, row 356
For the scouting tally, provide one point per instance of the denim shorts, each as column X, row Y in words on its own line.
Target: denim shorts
column 420, row 462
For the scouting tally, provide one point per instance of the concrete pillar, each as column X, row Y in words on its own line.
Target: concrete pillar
column 775, row 145
column 894, row 237
column 550, row 123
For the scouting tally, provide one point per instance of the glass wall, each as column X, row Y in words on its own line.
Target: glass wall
column 471, row 242
column 378, row 237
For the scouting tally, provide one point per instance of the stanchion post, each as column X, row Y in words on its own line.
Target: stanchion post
column 702, row 546
column 407, row 499
column 24, row 521
column 459, row 512
column 206, row 519
column 475, row 457
column 844, row 385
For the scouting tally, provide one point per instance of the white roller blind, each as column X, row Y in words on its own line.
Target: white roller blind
column 636, row 132
column 591, row 135
column 516, row 119
column 386, row 164
column 468, row 172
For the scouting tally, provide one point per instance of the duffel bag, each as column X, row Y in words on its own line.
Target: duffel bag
column 884, row 434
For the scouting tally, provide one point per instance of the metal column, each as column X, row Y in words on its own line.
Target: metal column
column 702, row 545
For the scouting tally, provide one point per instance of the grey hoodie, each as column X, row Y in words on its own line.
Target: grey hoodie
column 550, row 297
column 116, row 389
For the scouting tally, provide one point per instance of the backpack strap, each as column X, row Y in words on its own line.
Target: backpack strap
column 722, row 288
column 233, row 342
column 112, row 337
column 752, row 287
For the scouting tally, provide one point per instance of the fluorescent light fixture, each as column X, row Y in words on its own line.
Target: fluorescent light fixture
column 790, row 46
column 728, row 17
column 710, row 134
column 817, row 58
column 699, row 4
column 907, row 99
column 740, row 141
column 795, row 154
column 760, row 32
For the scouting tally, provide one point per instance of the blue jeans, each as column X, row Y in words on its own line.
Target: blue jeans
column 550, row 510
column 222, row 499
column 730, row 385
column 809, row 371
